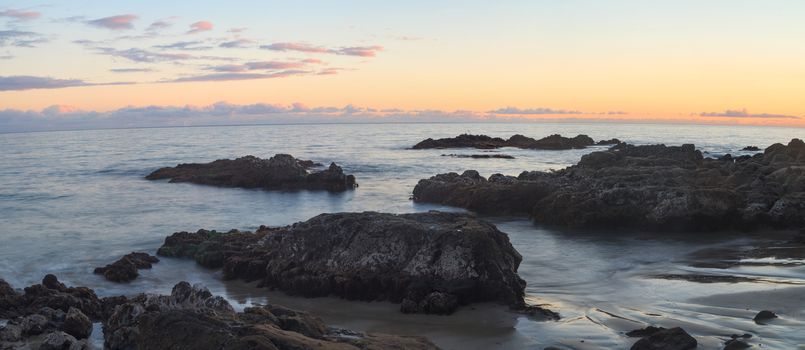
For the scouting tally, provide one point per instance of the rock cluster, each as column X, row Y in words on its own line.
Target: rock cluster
column 653, row 187
column 125, row 269
column 51, row 315
column 192, row 318
column 429, row 262
column 553, row 142
column 658, row 338
column 280, row 172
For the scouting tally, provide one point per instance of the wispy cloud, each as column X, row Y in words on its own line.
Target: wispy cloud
column 120, row 22
column 731, row 113
column 146, row 56
column 20, row 15
column 532, row 111
column 20, row 38
column 263, row 65
column 238, row 76
column 200, row 26
column 159, row 25
column 27, row 82
column 362, row 51
column 238, row 44
column 131, row 70
column 184, row 45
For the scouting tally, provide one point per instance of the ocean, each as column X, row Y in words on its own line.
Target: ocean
column 75, row 200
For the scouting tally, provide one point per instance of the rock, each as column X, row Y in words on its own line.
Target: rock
column 5, row 289
column 553, row 142
column 125, row 269
column 609, row 142
column 34, row 324
column 280, row 172
column 53, row 295
column 479, row 156
column 77, row 324
column 751, row 149
column 61, row 341
column 653, row 187
column 431, row 262
column 736, row 344
column 645, row 332
column 764, row 316
column 666, row 339
column 192, row 318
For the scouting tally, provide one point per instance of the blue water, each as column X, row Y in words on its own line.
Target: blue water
column 71, row 201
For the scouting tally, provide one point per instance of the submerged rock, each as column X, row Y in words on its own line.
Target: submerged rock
column 479, row 156
column 666, row 339
column 764, row 316
column 553, row 142
column 751, row 148
column 125, row 269
column 280, row 172
column 192, row 318
column 430, row 262
column 653, row 187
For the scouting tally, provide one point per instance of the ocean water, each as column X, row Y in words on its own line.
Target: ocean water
column 72, row 201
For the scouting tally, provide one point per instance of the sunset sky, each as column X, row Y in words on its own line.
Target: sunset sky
column 151, row 63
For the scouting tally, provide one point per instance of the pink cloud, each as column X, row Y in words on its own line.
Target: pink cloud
column 200, row 26
column 361, row 51
column 120, row 22
column 313, row 61
column 20, row 14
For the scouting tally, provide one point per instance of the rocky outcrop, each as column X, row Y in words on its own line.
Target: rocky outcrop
column 125, row 269
column 553, row 142
column 479, row 156
column 280, row 172
column 192, row 318
column 429, row 262
column 653, row 187
column 51, row 315
column 665, row 339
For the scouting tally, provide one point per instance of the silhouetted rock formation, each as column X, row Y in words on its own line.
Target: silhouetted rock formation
column 125, row 269
column 479, row 156
column 653, row 187
column 192, row 318
column 280, row 172
column 665, row 339
column 553, row 142
column 430, row 262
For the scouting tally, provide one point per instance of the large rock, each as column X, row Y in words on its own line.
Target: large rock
column 280, row 172
column 430, row 262
column 125, row 269
column 54, row 295
column 652, row 187
column 192, row 318
column 666, row 339
column 553, row 142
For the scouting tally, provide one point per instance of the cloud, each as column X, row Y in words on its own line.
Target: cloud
column 238, row 44
column 262, row 65
column 20, row 38
column 730, row 113
column 131, row 70
column 237, row 76
column 20, row 15
column 27, row 82
column 120, row 22
column 200, row 26
column 532, row 111
column 184, row 45
column 145, row 56
column 159, row 25
column 362, row 51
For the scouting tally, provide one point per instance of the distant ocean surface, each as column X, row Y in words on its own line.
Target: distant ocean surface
column 71, row 201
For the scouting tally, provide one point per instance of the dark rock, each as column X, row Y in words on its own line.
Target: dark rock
column 764, row 316
column 125, row 269
column 280, row 172
column 433, row 261
column 645, row 332
column 653, row 187
column 192, row 318
column 5, row 289
column 479, row 156
column 666, row 339
column 751, row 149
column 736, row 344
column 61, row 341
column 77, row 324
column 54, row 295
column 609, row 142
column 540, row 313
column 553, row 142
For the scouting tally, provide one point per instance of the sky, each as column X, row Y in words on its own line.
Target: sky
column 97, row 64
